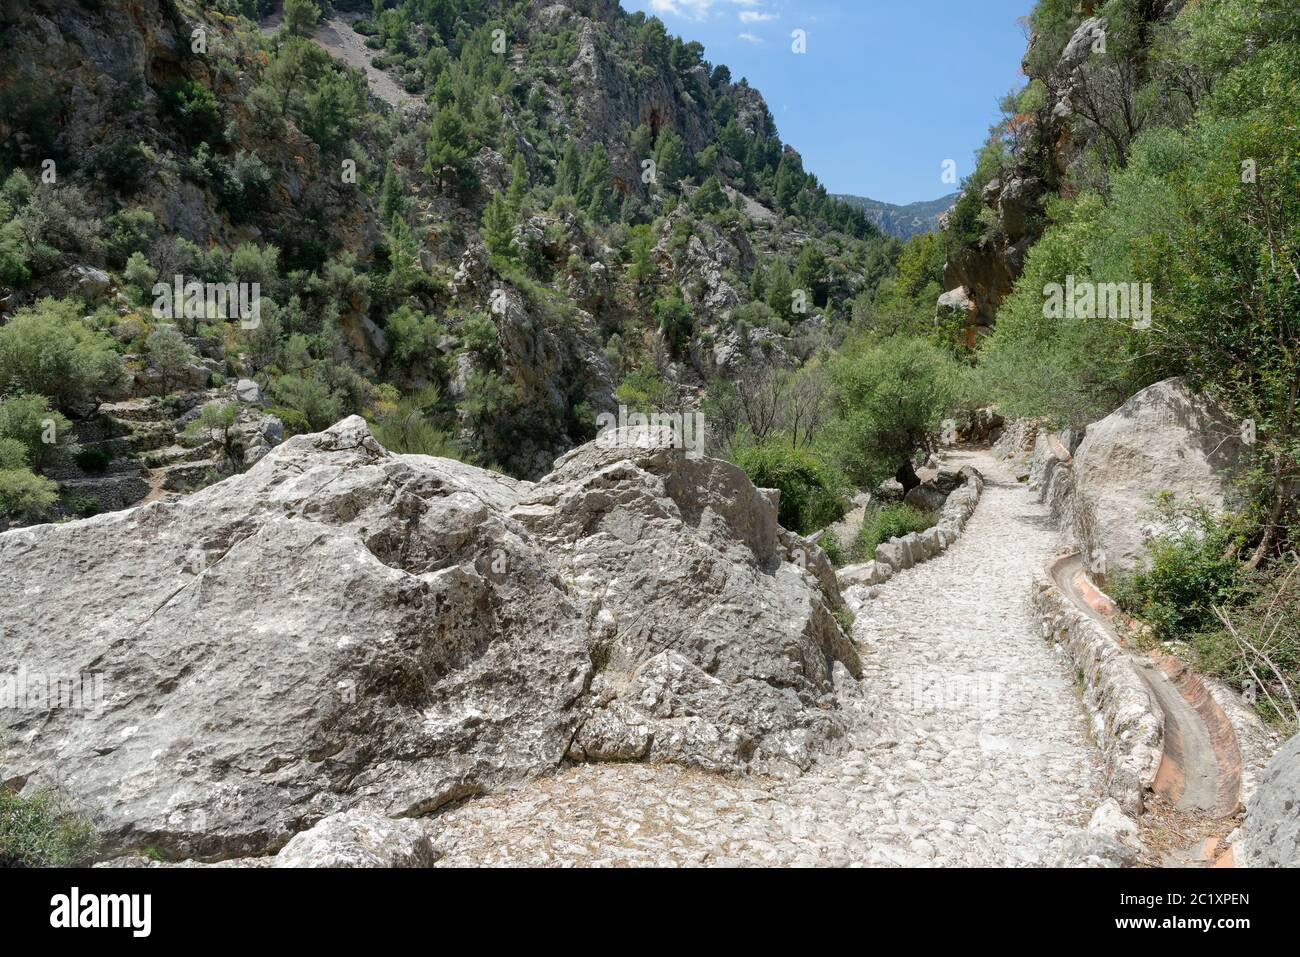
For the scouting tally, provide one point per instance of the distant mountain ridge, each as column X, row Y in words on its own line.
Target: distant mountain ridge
column 902, row 222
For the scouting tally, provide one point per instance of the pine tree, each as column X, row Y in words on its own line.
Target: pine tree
column 443, row 92
column 670, row 158
column 518, row 184
column 498, row 227
column 300, row 17
column 810, row 273
column 392, row 196
column 709, row 198
column 787, row 183
column 448, row 155
column 641, row 270
column 596, row 187
column 780, row 290
column 567, row 172
column 757, row 287
column 642, row 144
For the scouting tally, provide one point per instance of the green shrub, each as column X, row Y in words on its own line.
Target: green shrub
column 830, row 544
column 1190, row 572
column 13, row 454
column 810, row 488
column 478, row 334
column 415, row 336
column 26, row 496
column 38, row 831
column 82, row 506
column 14, row 257
column 43, row 433
column 295, row 423
column 315, row 402
column 408, row 430
column 47, row 350
column 126, row 233
column 170, row 354
column 643, row 390
column 139, row 273
column 884, row 522
column 93, row 461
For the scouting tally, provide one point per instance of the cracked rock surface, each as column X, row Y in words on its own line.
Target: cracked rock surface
column 341, row 627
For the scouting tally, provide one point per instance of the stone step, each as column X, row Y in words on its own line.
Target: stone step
column 69, row 471
column 179, row 454
column 135, row 442
column 189, row 476
column 108, row 492
column 137, row 410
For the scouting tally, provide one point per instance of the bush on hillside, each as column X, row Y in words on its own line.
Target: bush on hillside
column 884, row 522
column 811, row 490
column 44, row 434
column 47, row 350
column 26, row 496
column 39, row 831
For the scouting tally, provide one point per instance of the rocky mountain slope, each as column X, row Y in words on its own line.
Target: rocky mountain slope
column 1072, row 110
column 564, row 201
column 902, row 222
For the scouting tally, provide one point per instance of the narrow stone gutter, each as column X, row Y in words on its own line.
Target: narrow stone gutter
column 1126, row 725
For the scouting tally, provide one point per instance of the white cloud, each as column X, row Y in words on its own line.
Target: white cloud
column 692, row 9
column 751, row 38
column 699, row 9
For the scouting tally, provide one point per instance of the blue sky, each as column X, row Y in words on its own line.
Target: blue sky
column 888, row 89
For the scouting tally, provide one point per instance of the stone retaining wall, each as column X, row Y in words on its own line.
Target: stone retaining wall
column 899, row 553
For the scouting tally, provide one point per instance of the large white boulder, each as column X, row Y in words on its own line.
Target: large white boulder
column 341, row 627
column 1164, row 439
column 1272, row 828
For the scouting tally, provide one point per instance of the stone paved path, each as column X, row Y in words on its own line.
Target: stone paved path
column 970, row 744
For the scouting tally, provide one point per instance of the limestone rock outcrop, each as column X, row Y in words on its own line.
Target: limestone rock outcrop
column 341, row 627
column 1163, row 440
column 1271, row 832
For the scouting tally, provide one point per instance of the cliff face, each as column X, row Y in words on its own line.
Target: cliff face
column 1077, row 104
column 94, row 87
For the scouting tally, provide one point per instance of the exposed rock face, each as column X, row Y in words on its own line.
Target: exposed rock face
column 1164, row 439
column 1272, row 828
column 1048, row 145
column 341, row 626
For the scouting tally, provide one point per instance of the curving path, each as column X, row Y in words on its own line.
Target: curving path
column 970, row 745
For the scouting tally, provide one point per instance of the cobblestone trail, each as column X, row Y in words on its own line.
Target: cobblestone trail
column 970, row 744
